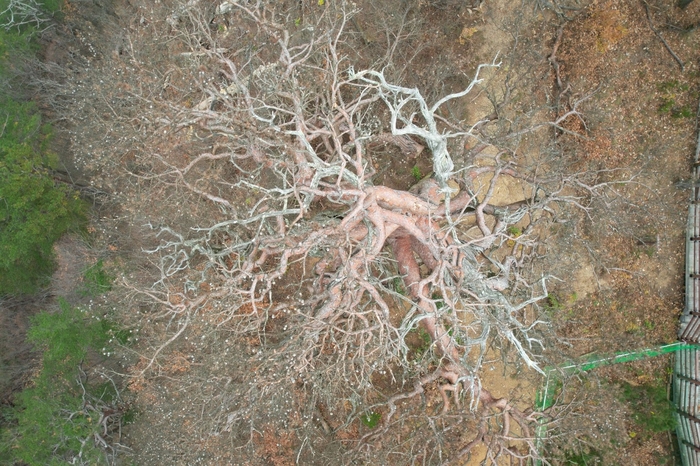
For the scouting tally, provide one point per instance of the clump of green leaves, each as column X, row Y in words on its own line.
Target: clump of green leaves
column 671, row 107
column 514, row 231
column 416, row 172
column 371, row 419
column 439, row 302
column 671, row 86
column 674, row 93
column 56, row 420
column 552, row 303
column 652, row 411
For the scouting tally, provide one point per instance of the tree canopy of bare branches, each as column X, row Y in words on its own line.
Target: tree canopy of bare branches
column 313, row 263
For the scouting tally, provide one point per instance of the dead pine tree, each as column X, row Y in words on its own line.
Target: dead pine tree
column 319, row 271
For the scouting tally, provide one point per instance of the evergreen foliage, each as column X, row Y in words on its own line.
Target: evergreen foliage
column 55, row 421
column 34, row 209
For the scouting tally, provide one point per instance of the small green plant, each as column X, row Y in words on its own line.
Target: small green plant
column 673, row 92
column 652, row 411
column 439, row 302
column 667, row 105
column 130, row 416
column 96, row 280
column 456, row 335
column 422, row 346
column 671, row 107
column 416, row 172
column 671, row 86
column 116, row 334
column 682, row 112
column 552, row 303
column 371, row 419
column 398, row 286
column 515, row 231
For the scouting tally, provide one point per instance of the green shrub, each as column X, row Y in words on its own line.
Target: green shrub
column 35, row 211
column 674, row 92
column 651, row 409
column 33, row 215
column 56, row 420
